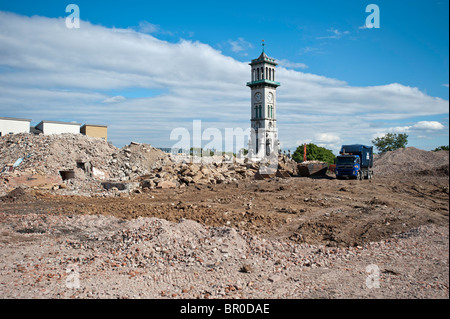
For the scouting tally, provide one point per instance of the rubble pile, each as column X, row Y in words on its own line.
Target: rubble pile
column 175, row 175
column 288, row 164
column 50, row 154
column 84, row 164
column 87, row 256
column 134, row 160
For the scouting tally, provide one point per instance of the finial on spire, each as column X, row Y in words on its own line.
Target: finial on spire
column 262, row 43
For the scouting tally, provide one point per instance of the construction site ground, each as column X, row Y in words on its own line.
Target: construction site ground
column 278, row 238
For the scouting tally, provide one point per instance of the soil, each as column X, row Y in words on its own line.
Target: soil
column 183, row 230
column 322, row 210
column 412, row 161
column 326, row 223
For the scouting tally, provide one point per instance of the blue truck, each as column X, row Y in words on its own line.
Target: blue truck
column 355, row 161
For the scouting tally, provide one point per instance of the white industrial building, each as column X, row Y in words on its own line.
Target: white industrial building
column 55, row 127
column 11, row 125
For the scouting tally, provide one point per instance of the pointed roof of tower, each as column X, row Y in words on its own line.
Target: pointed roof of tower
column 263, row 58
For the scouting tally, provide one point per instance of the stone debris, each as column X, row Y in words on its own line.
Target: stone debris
column 155, row 258
column 176, row 175
column 85, row 165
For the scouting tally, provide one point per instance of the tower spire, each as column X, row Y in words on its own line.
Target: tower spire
column 262, row 43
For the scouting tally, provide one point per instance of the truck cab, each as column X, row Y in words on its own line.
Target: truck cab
column 348, row 165
column 355, row 161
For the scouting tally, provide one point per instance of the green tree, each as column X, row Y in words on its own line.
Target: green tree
column 441, row 148
column 314, row 153
column 390, row 142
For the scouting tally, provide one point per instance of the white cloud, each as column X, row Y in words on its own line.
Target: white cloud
column 147, row 27
column 310, row 50
column 335, row 34
column 327, row 138
column 446, row 85
column 292, row 65
column 428, row 126
column 50, row 72
column 239, row 45
column 422, row 130
column 114, row 99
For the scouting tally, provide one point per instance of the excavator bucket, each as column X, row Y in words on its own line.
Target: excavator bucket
column 261, row 176
column 282, row 174
column 279, row 173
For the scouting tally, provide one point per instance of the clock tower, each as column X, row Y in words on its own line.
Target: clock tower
column 264, row 135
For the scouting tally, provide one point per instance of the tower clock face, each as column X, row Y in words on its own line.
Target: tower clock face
column 270, row 97
column 258, row 96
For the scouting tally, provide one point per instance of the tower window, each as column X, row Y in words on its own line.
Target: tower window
column 258, row 111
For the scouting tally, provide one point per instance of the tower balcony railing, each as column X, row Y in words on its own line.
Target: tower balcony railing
column 264, row 81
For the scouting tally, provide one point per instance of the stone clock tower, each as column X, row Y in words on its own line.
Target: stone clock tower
column 264, row 135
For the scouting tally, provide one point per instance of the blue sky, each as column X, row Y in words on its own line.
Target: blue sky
column 332, row 69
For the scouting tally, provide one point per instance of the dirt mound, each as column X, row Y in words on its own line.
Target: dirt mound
column 413, row 161
column 439, row 171
column 370, row 223
column 16, row 195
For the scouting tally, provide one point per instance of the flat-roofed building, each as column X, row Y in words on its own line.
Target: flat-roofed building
column 95, row 130
column 55, row 127
column 11, row 125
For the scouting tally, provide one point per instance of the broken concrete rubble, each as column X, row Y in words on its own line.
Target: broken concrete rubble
column 88, row 164
column 128, row 186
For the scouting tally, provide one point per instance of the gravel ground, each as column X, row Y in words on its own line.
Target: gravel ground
column 84, row 256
